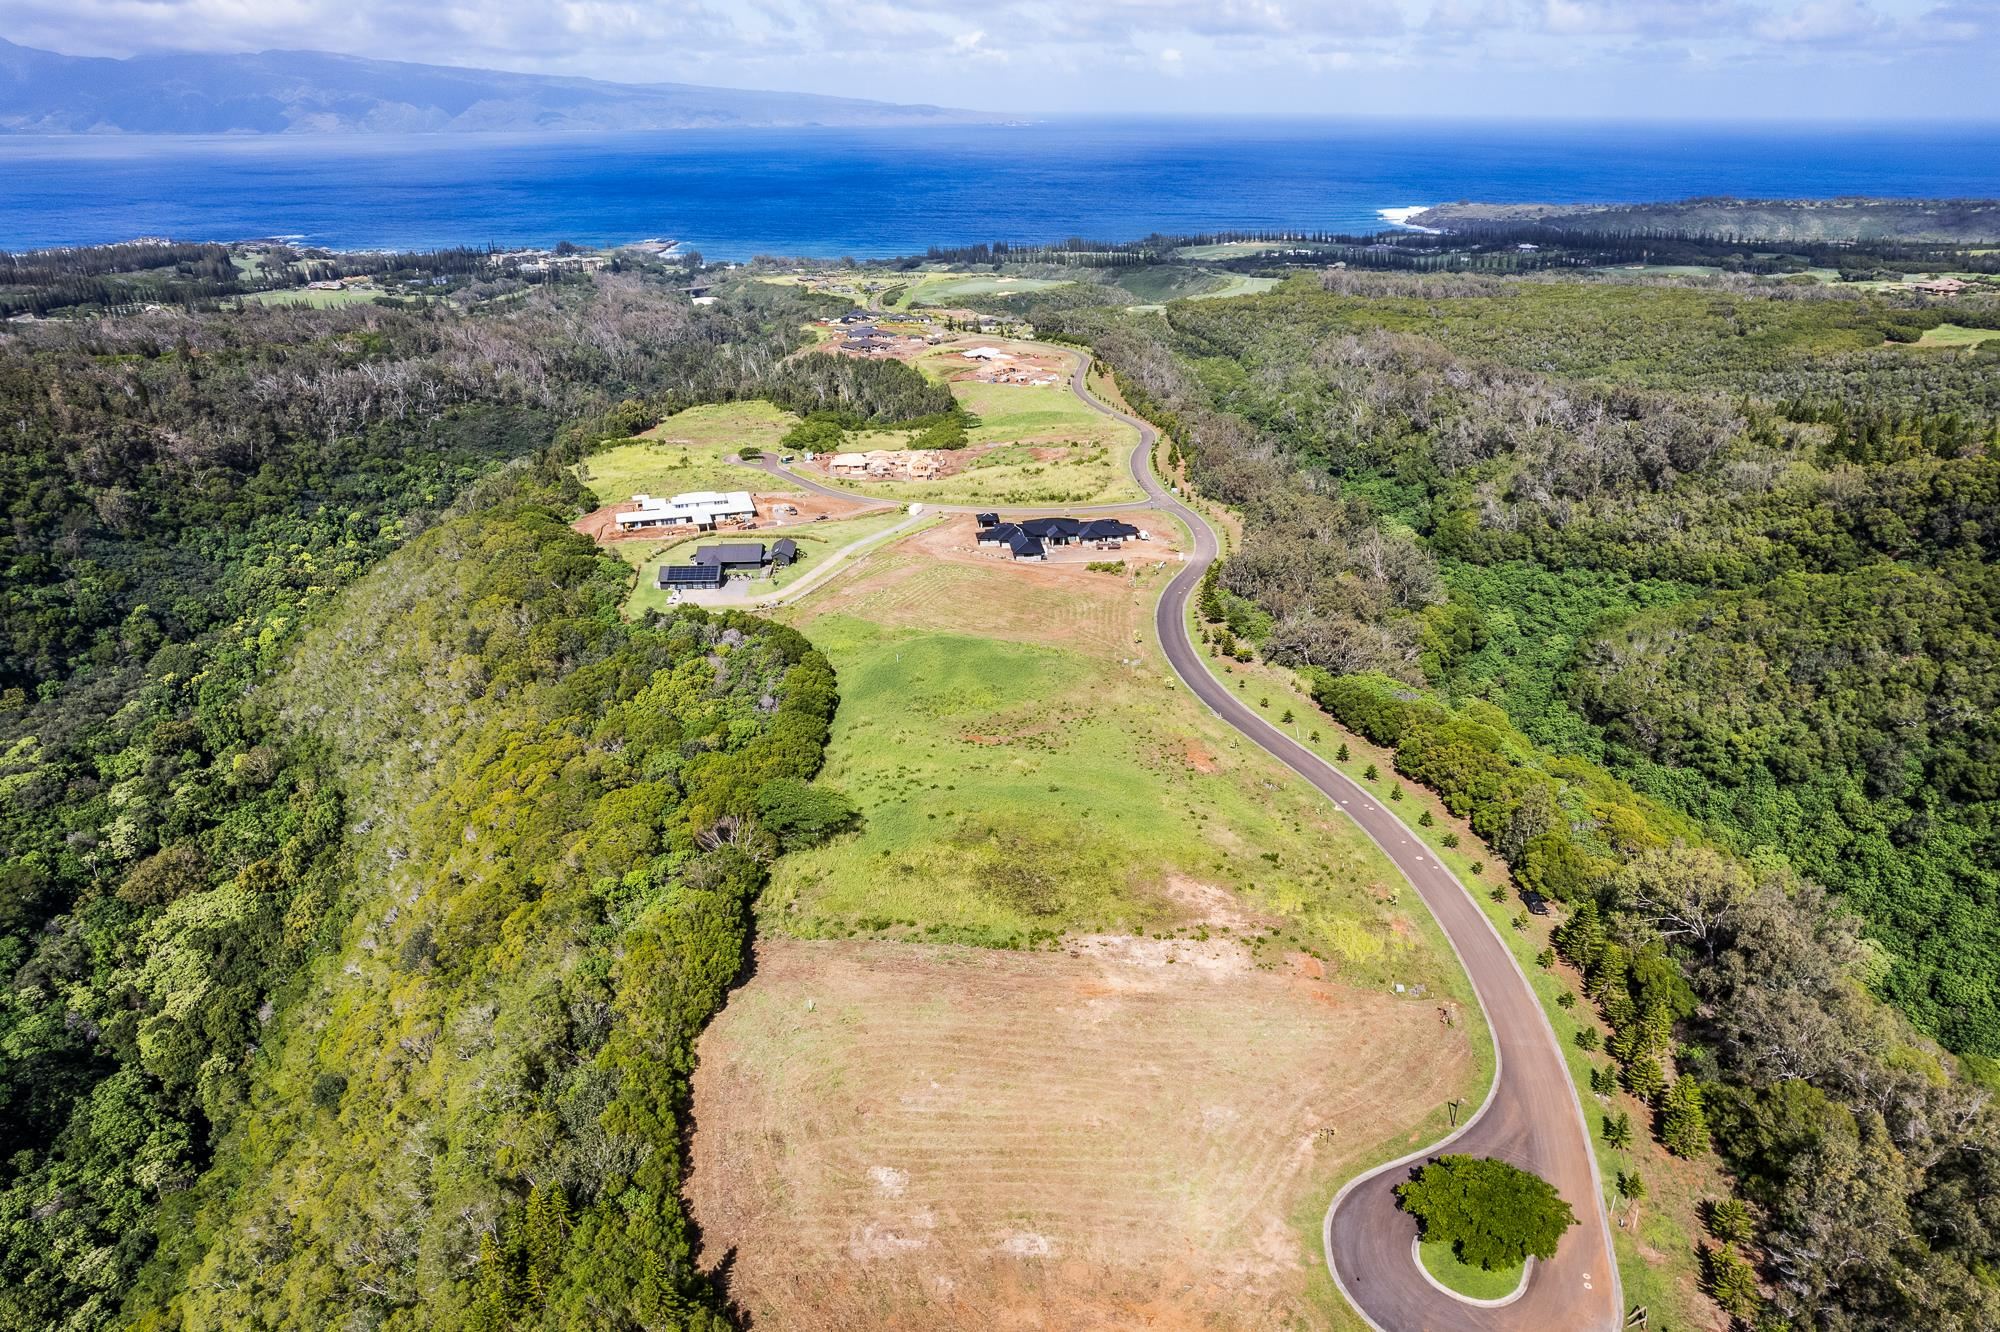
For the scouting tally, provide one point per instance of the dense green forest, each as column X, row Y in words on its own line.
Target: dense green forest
column 363, row 877
column 1684, row 595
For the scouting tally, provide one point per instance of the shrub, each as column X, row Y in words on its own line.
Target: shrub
column 328, row 1089
column 800, row 814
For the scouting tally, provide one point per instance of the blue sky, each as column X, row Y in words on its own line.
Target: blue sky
column 1645, row 59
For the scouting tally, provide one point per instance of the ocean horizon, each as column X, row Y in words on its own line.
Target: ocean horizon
column 870, row 193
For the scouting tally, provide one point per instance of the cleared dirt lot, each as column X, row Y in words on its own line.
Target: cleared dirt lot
column 907, row 1136
column 943, row 579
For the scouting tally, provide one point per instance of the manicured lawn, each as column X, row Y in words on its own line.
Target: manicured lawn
column 1954, row 335
column 1468, row 1280
column 318, row 300
column 1237, row 284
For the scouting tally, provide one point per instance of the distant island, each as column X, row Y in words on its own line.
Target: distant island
column 317, row 92
column 1936, row 221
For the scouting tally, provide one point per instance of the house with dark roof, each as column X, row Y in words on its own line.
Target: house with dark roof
column 783, row 551
column 1030, row 538
column 733, row 557
column 1055, row 531
column 1099, row 531
column 1024, row 547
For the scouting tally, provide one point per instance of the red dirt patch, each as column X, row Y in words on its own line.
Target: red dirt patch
column 911, row 1137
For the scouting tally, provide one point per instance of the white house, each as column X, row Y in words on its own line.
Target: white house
column 697, row 508
column 985, row 354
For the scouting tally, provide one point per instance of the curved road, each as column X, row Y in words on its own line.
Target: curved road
column 1532, row 1116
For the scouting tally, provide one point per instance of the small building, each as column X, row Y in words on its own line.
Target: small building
column 689, row 577
column 783, row 552
column 987, row 519
column 985, row 354
column 847, row 464
column 699, row 509
column 997, row 533
column 1949, row 286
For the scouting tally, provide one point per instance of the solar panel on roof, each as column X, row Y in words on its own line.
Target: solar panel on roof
column 691, row 575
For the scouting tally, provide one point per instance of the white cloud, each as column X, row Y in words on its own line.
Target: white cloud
column 1107, row 54
column 1820, row 21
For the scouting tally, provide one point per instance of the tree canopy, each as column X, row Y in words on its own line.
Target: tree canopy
column 1493, row 1214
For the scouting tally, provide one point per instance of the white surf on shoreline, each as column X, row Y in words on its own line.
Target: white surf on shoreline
column 1400, row 217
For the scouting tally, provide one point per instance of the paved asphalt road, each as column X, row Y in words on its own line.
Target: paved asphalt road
column 1532, row 1116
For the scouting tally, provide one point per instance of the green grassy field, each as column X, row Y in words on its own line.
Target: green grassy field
column 817, row 543
column 1468, row 1280
column 950, row 288
column 318, row 300
column 728, row 424
column 1953, row 335
column 689, row 451
column 1228, row 250
column 646, row 467
column 1017, row 790
column 1237, row 284
column 1020, row 414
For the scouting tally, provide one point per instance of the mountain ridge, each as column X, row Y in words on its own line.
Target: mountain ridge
column 320, row 92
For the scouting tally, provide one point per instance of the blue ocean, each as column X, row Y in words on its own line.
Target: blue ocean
column 736, row 193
